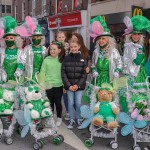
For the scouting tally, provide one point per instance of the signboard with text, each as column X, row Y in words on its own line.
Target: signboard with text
column 65, row 20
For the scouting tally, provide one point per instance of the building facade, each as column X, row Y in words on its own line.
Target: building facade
column 69, row 16
column 5, row 8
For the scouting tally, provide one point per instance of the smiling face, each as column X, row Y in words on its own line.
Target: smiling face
column 136, row 37
column 103, row 40
column 54, row 51
column 61, row 37
column 74, row 47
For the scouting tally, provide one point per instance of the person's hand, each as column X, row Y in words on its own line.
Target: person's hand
column 116, row 75
column 87, row 70
column 18, row 73
column 64, row 91
column 71, row 88
column 75, row 87
column 95, row 74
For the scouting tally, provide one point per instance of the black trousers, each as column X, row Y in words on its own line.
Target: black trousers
column 55, row 95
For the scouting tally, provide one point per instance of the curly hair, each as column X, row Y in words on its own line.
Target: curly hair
column 111, row 45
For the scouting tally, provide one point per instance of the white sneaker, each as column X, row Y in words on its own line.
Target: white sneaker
column 71, row 124
column 67, row 117
column 59, row 121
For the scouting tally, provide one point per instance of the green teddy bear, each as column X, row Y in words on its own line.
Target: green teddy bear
column 106, row 109
column 39, row 107
column 7, row 98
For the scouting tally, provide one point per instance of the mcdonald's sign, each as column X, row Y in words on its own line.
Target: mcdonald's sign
column 136, row 10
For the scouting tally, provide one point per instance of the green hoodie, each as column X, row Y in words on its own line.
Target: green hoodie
column 50, row 73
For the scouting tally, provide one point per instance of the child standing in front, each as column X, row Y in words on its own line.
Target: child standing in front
column 61, row 37
column 74, row 79
column 51, row 75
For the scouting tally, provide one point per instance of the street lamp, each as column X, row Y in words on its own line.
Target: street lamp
column 58, row 21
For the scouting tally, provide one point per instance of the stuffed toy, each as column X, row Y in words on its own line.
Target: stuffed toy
column 39, row 107
column 105, row 108
column 7, row 98
column 141, row 110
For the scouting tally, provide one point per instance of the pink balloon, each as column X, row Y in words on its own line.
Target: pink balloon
column 1, row 33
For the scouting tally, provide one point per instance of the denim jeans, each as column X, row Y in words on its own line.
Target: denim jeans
column 65, row 98
column 74, row 98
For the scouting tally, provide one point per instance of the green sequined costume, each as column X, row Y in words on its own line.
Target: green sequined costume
column 103, row 71
column 37, row 62
column 10, row 62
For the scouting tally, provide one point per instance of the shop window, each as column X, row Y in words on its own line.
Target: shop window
column 3, row 8
column 8, row 9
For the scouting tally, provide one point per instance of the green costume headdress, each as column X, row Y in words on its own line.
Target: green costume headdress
column 30, row 27
column 7, row 26
column 98, row 27
column 137, row 24
column 38, row 31
column 108, row 87
column 10, row 25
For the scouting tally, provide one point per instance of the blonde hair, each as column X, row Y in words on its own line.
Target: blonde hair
column 128, row 39
column 111, row 45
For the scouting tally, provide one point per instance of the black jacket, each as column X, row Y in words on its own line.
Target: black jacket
column 73, row 71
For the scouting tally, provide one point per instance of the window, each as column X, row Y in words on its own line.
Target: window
column 3, row 8
column 8, row 9
column 23, row 11
column 77, row 4
column 59, row 6
column 43, row 7
column 33, row 7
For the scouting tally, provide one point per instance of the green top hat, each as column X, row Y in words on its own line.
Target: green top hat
column 38, row 31
column 10, row 25
column 140, row 24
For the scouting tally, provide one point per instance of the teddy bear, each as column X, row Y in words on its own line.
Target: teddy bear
column 7, row 98
column 39, row 107
column 141, row 110
column 105, row 109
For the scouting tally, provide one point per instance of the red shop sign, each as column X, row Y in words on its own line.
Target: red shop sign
column 66, row 20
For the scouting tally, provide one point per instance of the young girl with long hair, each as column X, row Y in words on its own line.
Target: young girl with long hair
column 74, row 79
column 51, row 74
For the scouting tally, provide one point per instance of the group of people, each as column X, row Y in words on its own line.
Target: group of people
column 62, row 68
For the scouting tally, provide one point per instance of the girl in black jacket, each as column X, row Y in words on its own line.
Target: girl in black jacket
column 74, row 79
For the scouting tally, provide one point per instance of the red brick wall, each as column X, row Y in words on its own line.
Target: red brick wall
column 50, row 7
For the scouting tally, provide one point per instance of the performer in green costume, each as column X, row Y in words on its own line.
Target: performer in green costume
column 10, row 51
column 134, row 54
column 106, row 60
column 33, row 55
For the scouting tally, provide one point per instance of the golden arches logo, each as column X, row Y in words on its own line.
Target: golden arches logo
column 104, row 18
column 137, row 11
